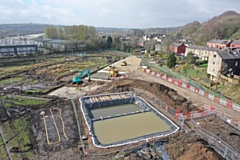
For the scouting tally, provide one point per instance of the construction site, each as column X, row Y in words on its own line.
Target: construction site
column 108, row 105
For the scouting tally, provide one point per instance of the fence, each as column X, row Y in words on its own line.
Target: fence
column 234, row 122
column 228, row 103
column 218, row 144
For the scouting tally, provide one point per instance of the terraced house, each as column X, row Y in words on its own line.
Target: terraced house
column 201, row 51
column 235, row 44
column 219, row 43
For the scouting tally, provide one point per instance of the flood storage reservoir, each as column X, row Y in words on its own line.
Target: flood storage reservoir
column 123, row 118
column 114, row 110
column 128, row 127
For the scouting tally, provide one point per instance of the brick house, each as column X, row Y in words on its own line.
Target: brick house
column 201, row 52
column 235, row 44
column 226, row 61
column 141, row 43
column 177, row 48
column 218, row 43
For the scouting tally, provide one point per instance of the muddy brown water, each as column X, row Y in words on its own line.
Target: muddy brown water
column 128, row 127
column 114, row 110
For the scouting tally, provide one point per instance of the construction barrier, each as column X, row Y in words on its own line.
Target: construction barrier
column 228, row 103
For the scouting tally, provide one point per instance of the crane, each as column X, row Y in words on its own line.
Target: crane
column 78, row 78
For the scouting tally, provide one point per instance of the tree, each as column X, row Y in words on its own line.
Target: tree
column 138, row 32
column 166, row 43
column 171, row 61
column 109, row 42
column 190, row 58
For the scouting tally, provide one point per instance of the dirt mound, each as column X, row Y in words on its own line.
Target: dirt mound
column 225, row 132
column 199, row 151
column 188, row 147
column 166, row 94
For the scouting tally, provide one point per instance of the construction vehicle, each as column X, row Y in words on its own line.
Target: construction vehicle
column 78, row 78
column 112, row 72
column 124, row 63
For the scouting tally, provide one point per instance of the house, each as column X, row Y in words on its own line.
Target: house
column 224, row 62
column 158, row 47
column 235, row 44
column 201, row 52
column 219, row 43
column 141, row 43
column 177, row 48
column 157, row 37
column 186, row 41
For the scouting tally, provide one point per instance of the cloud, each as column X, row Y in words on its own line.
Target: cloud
column 108, row 13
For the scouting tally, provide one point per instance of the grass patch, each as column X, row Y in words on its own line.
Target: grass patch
column 10, row 128
column 196, row 73
column 23, row 101
column 11, row 80
column 204, row 65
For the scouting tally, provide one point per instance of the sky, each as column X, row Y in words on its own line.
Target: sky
column 114, row 13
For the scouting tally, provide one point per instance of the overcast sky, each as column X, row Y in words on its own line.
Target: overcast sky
column 114, row 13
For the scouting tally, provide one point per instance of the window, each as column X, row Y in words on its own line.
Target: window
column 236, row 63
column 213, row 63
column 214, row 56
column 213, row 70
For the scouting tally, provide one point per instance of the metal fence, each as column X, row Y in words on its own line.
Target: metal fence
column 218, row 144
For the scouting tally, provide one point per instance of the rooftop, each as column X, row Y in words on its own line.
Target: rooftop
column 227, row 53
column 218, row 41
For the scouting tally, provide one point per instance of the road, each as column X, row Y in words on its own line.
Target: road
column 195, row 98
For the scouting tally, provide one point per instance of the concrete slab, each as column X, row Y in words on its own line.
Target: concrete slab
column 73, row 92
column 133, row 63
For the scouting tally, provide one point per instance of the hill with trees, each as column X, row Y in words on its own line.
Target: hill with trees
column 75, row 32
column 225, row 26
column 11, row 30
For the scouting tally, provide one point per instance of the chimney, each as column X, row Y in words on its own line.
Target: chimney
column 229, row 51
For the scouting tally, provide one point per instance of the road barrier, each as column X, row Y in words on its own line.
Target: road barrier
column 225, row 102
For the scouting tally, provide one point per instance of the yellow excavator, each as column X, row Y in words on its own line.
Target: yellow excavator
column 124, row 63
column 112, row 72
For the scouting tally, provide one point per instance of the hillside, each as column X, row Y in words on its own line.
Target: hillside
column 225, row 26
column 21, row 29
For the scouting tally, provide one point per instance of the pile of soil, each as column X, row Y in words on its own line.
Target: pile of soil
column 199, row 151
column 224, row 131
column 164, row 93
column 189, row 147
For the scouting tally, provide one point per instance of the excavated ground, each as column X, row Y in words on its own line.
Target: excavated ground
column 164, row 93
column 185, row 147
column 224, row 131
column 188, row 146
column 67, row 148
